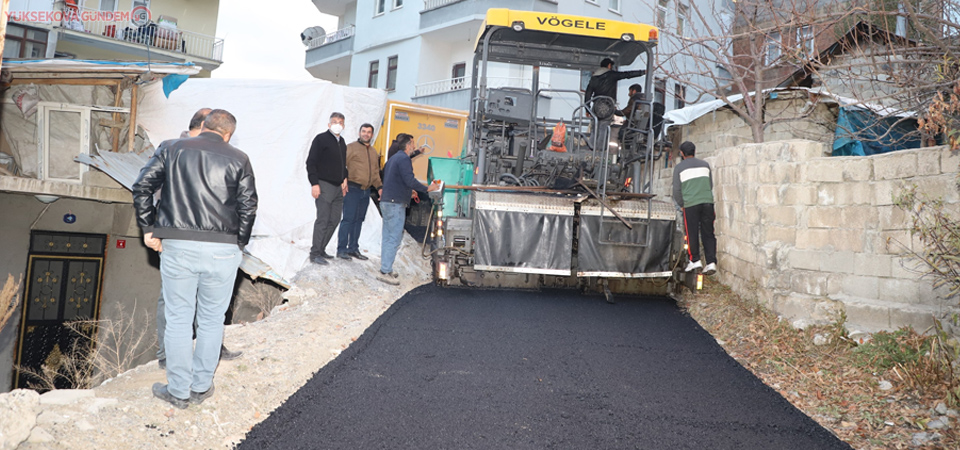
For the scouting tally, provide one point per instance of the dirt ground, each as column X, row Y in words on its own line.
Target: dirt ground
column 890, row 396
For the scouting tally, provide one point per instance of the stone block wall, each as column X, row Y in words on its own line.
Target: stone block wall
column 811, row 236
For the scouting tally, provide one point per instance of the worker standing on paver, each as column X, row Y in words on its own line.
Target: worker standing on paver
column 693, row 192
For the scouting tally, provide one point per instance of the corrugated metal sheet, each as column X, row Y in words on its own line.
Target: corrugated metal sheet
column 125, row 167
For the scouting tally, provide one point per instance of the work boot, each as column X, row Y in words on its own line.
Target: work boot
column 160, row 391
column 198, row 397
column 227, row 355
column 391, row 278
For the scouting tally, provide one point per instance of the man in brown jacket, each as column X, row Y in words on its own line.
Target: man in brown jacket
column 363, row 168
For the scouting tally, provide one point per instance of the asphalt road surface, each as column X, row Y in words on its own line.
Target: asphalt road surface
column 487, row 369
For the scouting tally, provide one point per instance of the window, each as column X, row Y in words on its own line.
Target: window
column 593, row 2
column 660, row 91
column 25, row 42
column 805, row 40
column 662, row 13
column 397, row 3
column 615, row 6
column 372, row 79
column 379, row 7
column 459, row 70
column 681, row 18
column 108, row 5
column 459, row 77
column 680, row 95
column 392, row 73
column 773, row 48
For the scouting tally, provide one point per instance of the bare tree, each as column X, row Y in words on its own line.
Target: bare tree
column 872, row 52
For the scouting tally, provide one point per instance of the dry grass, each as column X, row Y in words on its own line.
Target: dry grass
column 9, row 299
column 102, row 350
column 837, row 383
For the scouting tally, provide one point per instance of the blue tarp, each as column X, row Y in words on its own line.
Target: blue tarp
column 861, row 132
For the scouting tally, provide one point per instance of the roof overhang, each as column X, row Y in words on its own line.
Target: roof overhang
column 71, row 68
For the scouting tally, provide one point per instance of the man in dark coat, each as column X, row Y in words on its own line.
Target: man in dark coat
column 604, row 80
column 327, row 172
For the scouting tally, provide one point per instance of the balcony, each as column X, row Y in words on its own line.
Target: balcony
column 113, row 31
column 335, row 7
column 455, row 92
column 328, row 57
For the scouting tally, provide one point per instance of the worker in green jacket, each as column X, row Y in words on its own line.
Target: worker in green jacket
column 693, row 192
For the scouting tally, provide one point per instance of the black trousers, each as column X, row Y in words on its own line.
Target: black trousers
column 329, row 210
column 698, row 223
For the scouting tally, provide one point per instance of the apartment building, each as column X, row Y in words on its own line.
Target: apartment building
column 116, row 30
column 422, row 50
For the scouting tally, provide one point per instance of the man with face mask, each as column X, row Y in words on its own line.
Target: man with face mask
column 327, row 172
column 363, row 166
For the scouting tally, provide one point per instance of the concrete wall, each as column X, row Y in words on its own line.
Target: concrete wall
column 131, row 277
column 810, row 236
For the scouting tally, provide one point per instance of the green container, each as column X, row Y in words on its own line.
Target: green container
column 452, row 171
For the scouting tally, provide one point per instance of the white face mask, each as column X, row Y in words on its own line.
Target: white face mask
column 336, row 129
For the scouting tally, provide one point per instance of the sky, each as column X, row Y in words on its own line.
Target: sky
column 263, row 41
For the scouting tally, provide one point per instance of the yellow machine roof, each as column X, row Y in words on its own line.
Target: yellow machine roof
column 567, row 24
column 560, row 40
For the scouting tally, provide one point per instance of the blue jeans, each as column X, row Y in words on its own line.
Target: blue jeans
column 354, row 211
column 198, row 280
column 393, row 217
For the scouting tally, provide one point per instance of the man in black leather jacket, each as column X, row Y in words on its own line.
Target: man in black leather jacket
column 196, row 124
column 604, row 80
column 205, row 216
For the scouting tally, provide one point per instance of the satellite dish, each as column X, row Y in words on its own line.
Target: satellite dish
column 313, row 35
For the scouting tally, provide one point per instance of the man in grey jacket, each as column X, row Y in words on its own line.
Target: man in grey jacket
column 205, row 216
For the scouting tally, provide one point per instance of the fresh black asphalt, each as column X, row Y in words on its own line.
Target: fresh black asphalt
column 488, row 369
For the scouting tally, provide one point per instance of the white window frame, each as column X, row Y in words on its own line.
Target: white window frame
column 805, row 40
column 379, row 7
column 116, row 3
column 43, row 135
column 772, row 50
column 661, row 18
column 593, row 2
column 682, row 11
column 396, row 4
column 614, row 6
column 396, row 74
column 43, row 139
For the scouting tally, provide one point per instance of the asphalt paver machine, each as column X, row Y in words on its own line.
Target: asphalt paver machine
column 532, row 205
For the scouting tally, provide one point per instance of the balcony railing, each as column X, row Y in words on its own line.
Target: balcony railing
column 441, row 86
column 434, row 4
column 456, row 84
column 329, row 38
column 117, row 26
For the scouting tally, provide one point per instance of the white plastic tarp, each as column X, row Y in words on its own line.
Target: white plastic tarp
column 690, row 113
column 276, row 122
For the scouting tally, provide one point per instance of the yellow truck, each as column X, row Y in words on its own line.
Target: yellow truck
column 438, row 130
